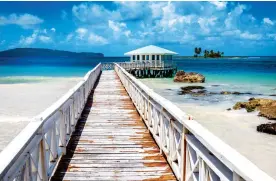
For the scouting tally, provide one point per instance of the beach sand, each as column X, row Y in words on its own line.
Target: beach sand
column 21, row 102
column 236, row 128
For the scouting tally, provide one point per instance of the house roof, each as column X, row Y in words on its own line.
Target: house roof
column 151, row 49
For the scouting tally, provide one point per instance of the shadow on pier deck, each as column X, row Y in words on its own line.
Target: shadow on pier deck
column 111, row 142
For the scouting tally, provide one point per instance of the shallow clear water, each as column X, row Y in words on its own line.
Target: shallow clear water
column 238, row 70
column 35, row 69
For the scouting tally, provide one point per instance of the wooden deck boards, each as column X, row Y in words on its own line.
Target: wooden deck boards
column 111, row 142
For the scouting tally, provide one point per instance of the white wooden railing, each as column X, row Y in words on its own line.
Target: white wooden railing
column 131, row 65
column 193, row 153
column 135, row 65
column 35, row 152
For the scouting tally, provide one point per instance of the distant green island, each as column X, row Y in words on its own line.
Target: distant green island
column 208, row 53
column 36, row 52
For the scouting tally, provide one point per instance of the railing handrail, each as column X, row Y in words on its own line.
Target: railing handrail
column 9, row 156
column 227, row 155
column 133, row 65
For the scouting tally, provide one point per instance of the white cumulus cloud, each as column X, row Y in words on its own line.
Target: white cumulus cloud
column 220, row 5
column 81, row 32
column 24, row 20
column 116, row 26
column 97, row 39
column 268, row 21
column 250, row 36
column 26, row 41
column 205, row 23
column 233, row 17
column 69, row 37
column 93, row 13
column 45, row 39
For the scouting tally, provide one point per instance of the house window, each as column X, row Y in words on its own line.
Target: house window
column 153, row 57
column 157, row 57
column 138, row 57
column 133, row 57
column 143, row 57
column 147, row 57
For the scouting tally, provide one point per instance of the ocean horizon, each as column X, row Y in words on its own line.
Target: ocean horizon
column 227, row 70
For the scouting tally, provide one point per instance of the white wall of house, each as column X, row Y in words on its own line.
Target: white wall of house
column 153, row 58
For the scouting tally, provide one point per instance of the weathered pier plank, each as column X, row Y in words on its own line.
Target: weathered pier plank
column 111, row 142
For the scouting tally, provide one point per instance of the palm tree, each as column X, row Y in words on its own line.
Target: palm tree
column 199, row 50
column 212, row 53
column 196, row 50
column 205, row 53
column 222, row 54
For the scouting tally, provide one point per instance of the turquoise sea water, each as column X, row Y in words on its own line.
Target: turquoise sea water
column 233, row 70
column 260, row 70
column 254, row 76
column 35, row 69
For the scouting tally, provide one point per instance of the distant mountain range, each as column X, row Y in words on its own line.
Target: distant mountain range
column 41, row 52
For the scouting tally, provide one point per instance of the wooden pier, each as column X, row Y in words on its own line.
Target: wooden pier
column 111, row 126
column 111, row 142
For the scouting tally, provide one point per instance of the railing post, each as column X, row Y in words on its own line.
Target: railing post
column 160, row 130
column 53, row 146
column 72, row 115
column 62, row 133
column 184, row 154
column 28, row 169
column 42, row 165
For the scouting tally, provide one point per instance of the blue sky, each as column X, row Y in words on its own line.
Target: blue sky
column 237, row 28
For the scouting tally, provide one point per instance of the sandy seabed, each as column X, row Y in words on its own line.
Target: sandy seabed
column 21, row 102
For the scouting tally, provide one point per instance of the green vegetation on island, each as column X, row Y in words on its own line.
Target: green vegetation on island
column 207, row 53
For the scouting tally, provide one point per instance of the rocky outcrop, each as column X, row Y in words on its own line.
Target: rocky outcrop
column 190, row 77
column 225, row 92
column 267, row 107
column 201, row 91
column 193, row 90
column 269, row 128
column 234, row 93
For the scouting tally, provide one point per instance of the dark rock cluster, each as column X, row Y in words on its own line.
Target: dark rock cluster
column 269, row 128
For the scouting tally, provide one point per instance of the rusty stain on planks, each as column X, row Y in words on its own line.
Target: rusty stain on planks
column 111, row 142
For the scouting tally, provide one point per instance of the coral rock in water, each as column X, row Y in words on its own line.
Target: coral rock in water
column 191, row 77
column 267, row 107
column 193, row 90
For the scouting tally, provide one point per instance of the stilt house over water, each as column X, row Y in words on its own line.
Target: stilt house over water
column 150, row 61
column 151, row 54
